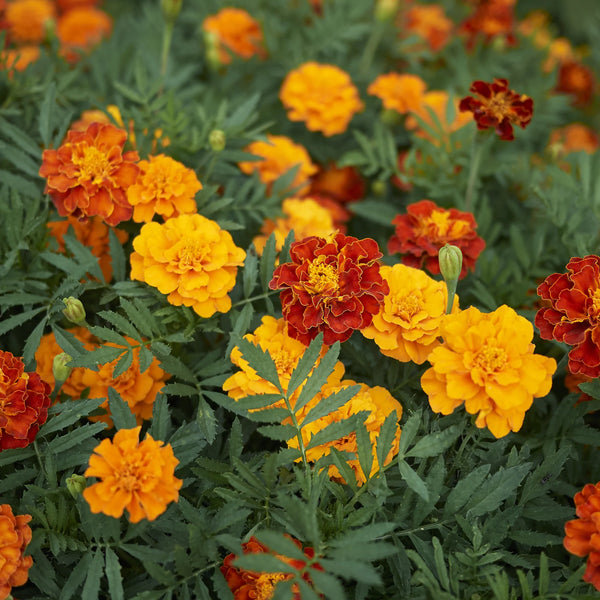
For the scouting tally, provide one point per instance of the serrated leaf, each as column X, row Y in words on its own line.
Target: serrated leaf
column 122, row 323
column 278, row 432
column 435, row 443
column 409, row 430
column 207, row 422
column 121, row 414
column 318, row 377
column 113, row 575
column 355, row 570
column 123, row 363
column 117, row 256
column 386, row 436
column 16, row 320
column 61, row 415
column 334, row 431
column 267, row 262
column 76, row 577
column 76, row 437
column 305, row 364
column 91, row 587
column 364, row 449
column 328, row 585
column 33, row 341
column 250, row 274
column 330, row 404
column 260, row 361
column 464, row 489
column 280, row 544
column 413, row 481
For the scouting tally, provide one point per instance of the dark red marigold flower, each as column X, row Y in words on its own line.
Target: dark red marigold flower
column 498, row 107
column 573, row 316
column 24, row 402
column 426, row 228
column 332, row 285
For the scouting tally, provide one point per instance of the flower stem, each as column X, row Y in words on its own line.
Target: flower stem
column 166, row 46
column 371, row 46
column 253, row 298
column 477, row 151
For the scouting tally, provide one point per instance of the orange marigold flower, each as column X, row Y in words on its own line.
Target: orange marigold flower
column 323, row 96
column 498, row 107
column 377, row 402
column 583, row 534
column 65, row 5
column 487, row 361
column 535, row 25
column 331, row 285
column 19, row 58
column 280, row 154
column 575, row 137
column 237, row 33
column 491, row 19
column 343, row 184
column 94, row 234
column 407, row 327
column 426, row 228
column 82, row 28
column 89, row 174
column 400, row 92
column 430, row 23
column 27, row 20
column 191, row 259
column 15, row 535
column 24, row 402
column 577, row 80
column 137, row 476
column 573, row 316
column 304, row 216
column 559, row 52
column 164, row 187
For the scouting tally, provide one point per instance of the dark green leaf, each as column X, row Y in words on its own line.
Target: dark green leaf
column 121, row 414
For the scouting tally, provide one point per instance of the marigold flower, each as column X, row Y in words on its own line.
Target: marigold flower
column 191, row 259
column 66, row 5
column 573, row 316
column 137, row 476
column 82, row 28
column 400, row 92
column 15, row 535
column 343, row 184
column 93, row 234
column 19, row 58
column 89, row 174
column 487, row 361
column 237, row 33
column 577, row 80
column 426, row 228
column 331, row 285
column 27, row 20
column 535, row 26
column 24, row 402
column 491, row 19
column 304, row 216
column 498, row 107
column 575, row 137
column 165, row 187
column 428, row 21
column 376, row 401
column 407, row 326
column 323, row 96
column 280, row 154
column 582, row 535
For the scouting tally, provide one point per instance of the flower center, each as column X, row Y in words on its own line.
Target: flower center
column 595, row 306
column 439, row 226
column 265, row 584
column 191, row 253
column 407, row 306
column 93, row 165
column 284, row 362
column 322, row 278
column 499, row 105
column 491, row 359
column 128, row 477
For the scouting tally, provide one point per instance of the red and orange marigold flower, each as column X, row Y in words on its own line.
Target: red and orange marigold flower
column 401, row 92
column 426, row 228
column 573, row 316
column 89, row 174
column 24, row 402
column 82, row 28
column 498, row 107
column 137, row 476
column 331, row 285
column 487, row 362
column 15, row 535
column 429, row 22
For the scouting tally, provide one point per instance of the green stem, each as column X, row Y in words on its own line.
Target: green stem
column 451, row 287
column 300, row 442
column 477, row 152
column 253, row 298
column 371, row 47
column 166, row 46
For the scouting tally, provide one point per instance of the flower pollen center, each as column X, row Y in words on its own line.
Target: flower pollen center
column 284, row 362
column 491, row 359
column 191, row 253
column 128, row 477
column 407, row 306
column 265, row 584
column 498, row 105
column 322, row 278
column 594, row 309
column 93, row 165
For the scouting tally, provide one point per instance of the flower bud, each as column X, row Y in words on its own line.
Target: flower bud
column 171, row 8
column 60, row 368
column 76, row 484
column 74, row 310
column 450, row 259
column 378, row 187
column 217, row 140
column 385, row 10
column 211, row 44
column 390, row 117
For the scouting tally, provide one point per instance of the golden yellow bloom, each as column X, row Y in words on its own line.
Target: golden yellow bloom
column 191, row 259
column 26, row 20
column 137, row 476
column 280, row 154
column 323, row 96
column 19, row 58
column 15, row 535
column 165, row 187
column 303, row 215
column 487, row 362
column 407, row 326
column 399, row 92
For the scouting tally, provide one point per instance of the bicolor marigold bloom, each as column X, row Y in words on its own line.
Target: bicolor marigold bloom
column 426, row 228
column 19, row 58
column 27, row 20
column 487, row 361
column 573, row 316
column 82, row 28
column 164, row 187
column 401, row 92
column 137, row 476
column 376, row 401
column 322, row 96
column 304, row 216
column 15, row 535
column 407, row 327
column 491, row 19
column 429, row 22
column 575, row 137
column 24, row 402
column 191, row 259
column 89, row 174
column 583, row 534
column 280, row 154
column 331, row 285
column 237, row 33
column 498, row 107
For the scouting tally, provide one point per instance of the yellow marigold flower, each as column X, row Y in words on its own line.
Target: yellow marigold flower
column 487, row 361
column 376, row 401
column 323, row 96
column 15, row 535
column 407, row 326
column 191, row 259
column 165, row 187
column 137, row 476
column 399, row 92
column 304, row 216
column 280, row 154
column 272, row 337
column 26, row 20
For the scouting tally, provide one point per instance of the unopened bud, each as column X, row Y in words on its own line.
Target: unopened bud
column 171, row 8
column 76, row 484
column 60, row 368
column 385, row 10
column 389, row 116
column 74, row 310
column 217, row 140
column 213, row 56
column 378, row 187
column 450, row 258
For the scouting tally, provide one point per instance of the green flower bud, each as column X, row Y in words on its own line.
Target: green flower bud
column 60, row 368
column 217, row 140
column 211, row 44
column 74, row 310
column 390, row 117
column 171, row 8
column 450, row 259
column 378, row 187
column 385, row 10
column 76, row 484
